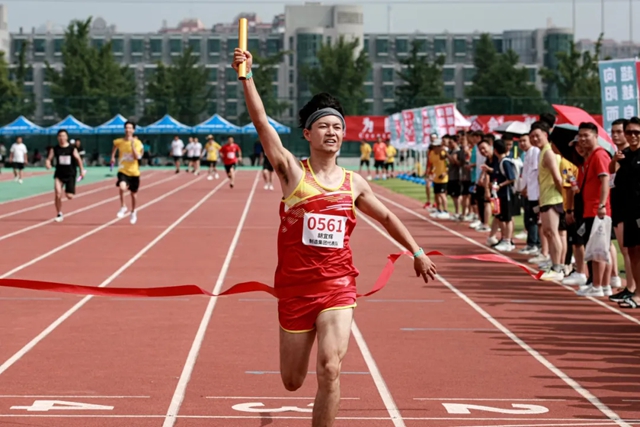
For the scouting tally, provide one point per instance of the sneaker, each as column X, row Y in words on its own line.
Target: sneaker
column 492, row 241
column 505, row 246
column 271, row 187
column 615, row 282
column 545, row 265
column 621, row 296
column 595, row 291
column 443, row 215
column 216, row 176
column 575, row 278
column 527, row 250
column 521, row 236
column 483, row 229
column 59, row 217
column 134, row 217
column 475, row 224
column 552, row 276
column 210, row 178
column 539, row 259
column 122, row 212
column 266, row 186
column 468, row 218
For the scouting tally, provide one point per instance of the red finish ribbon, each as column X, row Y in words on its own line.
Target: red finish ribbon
column 240, row 288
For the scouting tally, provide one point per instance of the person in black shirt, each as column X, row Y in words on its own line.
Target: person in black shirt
column 627, row 166
column 67, row 158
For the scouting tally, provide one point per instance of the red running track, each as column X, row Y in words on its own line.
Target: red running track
column 485, row 345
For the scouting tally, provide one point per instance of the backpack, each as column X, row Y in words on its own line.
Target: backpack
column 517, row 166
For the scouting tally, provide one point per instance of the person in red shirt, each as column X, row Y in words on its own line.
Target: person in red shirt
column 594, row 187
column 231, row 155
column 379, row 158
column 315, row 275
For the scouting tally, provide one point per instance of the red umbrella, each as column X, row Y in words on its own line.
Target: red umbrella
column 575, row 116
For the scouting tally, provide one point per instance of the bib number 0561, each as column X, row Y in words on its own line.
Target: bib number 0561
column 324, row 230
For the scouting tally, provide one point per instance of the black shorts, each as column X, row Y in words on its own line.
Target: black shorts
column 559, row 208
column 507, row 208
column 229, row 167
column 562, row 224
column 176, row 158
column 379, row 164
column 631, row 235
column 454, row 188
column 266, row 164
column 389, row 166
column 194, row 158
column 439, row 188
column 365, row 162
column 18, row 166
column 133, row 182
column 576, row 234
column 68, row 183
column 466, row 188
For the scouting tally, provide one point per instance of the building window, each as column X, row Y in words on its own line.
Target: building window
column 213, row 46
column 231, row 91
column 389, row 107
column 366, row 44
column 532, row 74
column 136, row 46
column 117, row 46
column 276, row 94
column 368, row 90
column 195, row 45
column 369, row 77
column 450, row 91
column 460, row 46
column 230, row 74
column 388, row 92
column 213, row 75
column 468, row 74
column 402, row 46
column 423, row 46
column 253, row 46
column 388, row 74
column 57, row 46
column 232, row 43
column 291, row 77
column 382, row 47
column 17, row 46
column 213, row 107
column 273, row 46
column 155, row 47
column 448, row 74
column 175, row 46
column 231, row 109
column 39, row 46
column 440, row 46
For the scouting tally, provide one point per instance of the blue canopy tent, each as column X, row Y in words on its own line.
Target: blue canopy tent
column 21, row 126
column 279, row 127
column 113, row 126
column 71, row 125
column 166, row 125
column 217, row 124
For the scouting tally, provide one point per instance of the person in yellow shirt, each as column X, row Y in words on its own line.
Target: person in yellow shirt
column 389, row 164
column 130, row 151
column 365, row 157
column 211, row 150
column 439, row 169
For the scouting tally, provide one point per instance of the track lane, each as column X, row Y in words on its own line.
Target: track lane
column 133, row 359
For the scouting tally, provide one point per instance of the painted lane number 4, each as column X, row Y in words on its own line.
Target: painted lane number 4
column 518, row 409
column 61, row 405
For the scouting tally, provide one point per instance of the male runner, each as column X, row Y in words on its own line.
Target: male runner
column 211, row 149
column 267, row 173
column 317, row 217
column 231, row 155
column 67, row 157
column 130, row 150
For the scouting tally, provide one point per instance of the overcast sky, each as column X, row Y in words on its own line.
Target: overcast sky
column 449, row 15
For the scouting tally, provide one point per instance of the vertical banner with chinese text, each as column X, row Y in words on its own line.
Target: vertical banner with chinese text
column 619, row 90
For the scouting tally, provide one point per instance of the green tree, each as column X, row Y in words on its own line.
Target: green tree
column 500, row 85
column 577, row 78
column 92, row 86
column 265, row 72
column 24, row 102
column 340, row 72
column 422, row 81
column 180, row 90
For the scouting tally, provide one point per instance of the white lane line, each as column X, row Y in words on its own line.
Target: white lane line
column 185, row 376
column 77, row 211
column 474, row 242
column 24, row 350
column 94, row 231
column 381, row 385
column 546, row 363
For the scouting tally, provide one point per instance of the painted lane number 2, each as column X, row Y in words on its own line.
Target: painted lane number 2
column 518, row 409
column 61, row 405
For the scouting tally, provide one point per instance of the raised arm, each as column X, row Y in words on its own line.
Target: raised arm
column 284, row 163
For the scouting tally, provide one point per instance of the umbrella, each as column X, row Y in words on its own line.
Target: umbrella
column 514, row 128
column 563, row 135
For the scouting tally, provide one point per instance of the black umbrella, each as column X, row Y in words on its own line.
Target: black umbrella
column 565, row 136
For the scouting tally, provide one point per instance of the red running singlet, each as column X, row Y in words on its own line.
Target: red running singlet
column 316, row 223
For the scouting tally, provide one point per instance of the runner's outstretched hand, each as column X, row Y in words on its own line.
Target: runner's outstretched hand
column 425, row 267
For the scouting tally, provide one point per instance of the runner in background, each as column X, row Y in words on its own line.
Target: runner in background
column 365, row 158
column 177, row 151
column 380, row 157
column 67, row 158
column 231, row 155
column 267, row 173
column 211, row 149
column 18, row 158
column 194, row 152
column 389, row 163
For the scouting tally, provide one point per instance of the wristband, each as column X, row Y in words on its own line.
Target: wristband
column 249, row 75
column 420, row 252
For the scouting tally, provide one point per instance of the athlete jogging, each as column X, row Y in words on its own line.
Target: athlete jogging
column 130, row 151
column 65, row 173
column 317, row 216
column 231, row 154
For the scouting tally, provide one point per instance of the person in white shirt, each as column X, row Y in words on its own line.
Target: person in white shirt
column 177, row 151
column 18, row 158
column 194, row 152
column 530, row 194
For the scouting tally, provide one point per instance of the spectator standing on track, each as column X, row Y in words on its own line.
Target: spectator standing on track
column 427, row 176
column 574, row 222
column 594, row 190
column 626, row 164
column 211, row 149
column 618, row 202
column 389, row 163
column 67, row 159
column 530, row 194
column 438, row 161
column 455, row 159
column 365, row 158
column 306, row 258
column 379, row 158
column 551, row 208
column 477, row 174
column 231, row 154
column 504, row 176
column 130, row 151
column 465, row 178
column 18, row 157
column 177, row 151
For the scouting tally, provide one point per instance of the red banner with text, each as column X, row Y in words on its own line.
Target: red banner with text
column 368, row 128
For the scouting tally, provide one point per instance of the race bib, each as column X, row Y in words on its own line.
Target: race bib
column 64, row 160
column 231, row 155
column 325, row 231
